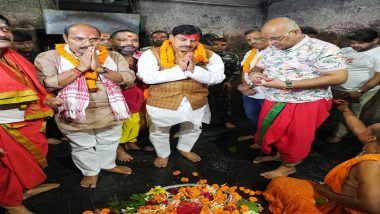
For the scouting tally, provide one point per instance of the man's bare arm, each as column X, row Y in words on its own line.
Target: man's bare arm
column 374, row 81
column 328, row 78
column 368, row 197
column 353, row 122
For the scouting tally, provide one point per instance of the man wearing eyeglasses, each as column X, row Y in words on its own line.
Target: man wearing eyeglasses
column 297, row 72
column 86, row 77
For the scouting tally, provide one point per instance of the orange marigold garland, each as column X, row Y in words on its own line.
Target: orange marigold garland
column 246, row 65
column 167, row 56
column 183, row 199
column 90, row 75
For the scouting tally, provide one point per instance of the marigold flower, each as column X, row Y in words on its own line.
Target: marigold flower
column 195, row 174
column 105, row 211
column 247, row 191
column 258, row 192
column 244, row 208
column 252, row 192
column 177, row 172
column 184, row 179
column 88, row 212
column 252, row 199
column 216, row 186
column 241, row 188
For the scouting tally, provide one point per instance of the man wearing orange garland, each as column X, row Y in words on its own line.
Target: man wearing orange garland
column 253, row 96
column 86, row 76
column 23, row 145
column 179, row 73
column 351, row 187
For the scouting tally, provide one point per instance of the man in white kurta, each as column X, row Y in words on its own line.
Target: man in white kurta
column 178, row 91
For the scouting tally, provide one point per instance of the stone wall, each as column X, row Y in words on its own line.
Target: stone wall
column 222, row 17
column 26, row 14
column 329, row 15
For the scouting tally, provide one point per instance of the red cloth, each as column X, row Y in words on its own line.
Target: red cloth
column 9, row 83
column 134, row 97
column 293, row 131
column 24, row 142
column 19, row 170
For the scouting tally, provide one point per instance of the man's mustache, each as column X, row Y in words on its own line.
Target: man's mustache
column 128, row 46
column 5, row 38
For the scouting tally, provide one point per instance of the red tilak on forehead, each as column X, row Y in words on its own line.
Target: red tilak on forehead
column 89, row 31
column 192, row 36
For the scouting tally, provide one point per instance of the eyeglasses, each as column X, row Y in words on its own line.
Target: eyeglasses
column 279, row 38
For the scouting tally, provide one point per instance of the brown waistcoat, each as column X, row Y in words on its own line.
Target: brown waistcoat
column 169, row 95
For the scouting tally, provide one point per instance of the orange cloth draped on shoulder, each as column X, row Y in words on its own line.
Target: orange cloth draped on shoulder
column 290, row 195
column 247, row 62
column 24, row 142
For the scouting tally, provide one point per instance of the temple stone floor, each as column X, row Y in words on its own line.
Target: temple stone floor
column 224, row 160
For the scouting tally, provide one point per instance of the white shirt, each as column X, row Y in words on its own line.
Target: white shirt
column 260, row 90
column 149, row 72
column 362, row 66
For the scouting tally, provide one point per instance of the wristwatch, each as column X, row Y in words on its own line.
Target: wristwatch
column 104, row 70
column 289, row 84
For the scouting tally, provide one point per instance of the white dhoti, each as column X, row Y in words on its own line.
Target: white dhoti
column 94, row 149
column 161, row 120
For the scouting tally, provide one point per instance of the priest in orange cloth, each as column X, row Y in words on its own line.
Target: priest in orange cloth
column 23, row 146
column 352, row 187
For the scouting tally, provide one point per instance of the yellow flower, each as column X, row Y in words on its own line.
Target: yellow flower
column 167, row 56
column 157, row 190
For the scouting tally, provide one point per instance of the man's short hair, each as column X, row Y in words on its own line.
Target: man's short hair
column 220, row 39
column 363, row 35
column 67, row 28
column 186, row 30
column 159, row 31
column 21, row 36
column 308, row 30
column 5, row 20
column 123, row 31
column 207, row 39
column 251, row 31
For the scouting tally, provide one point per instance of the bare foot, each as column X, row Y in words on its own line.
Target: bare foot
column 176, row 135
column 161, row 162
column 245, row 137
column 89, row 181
column 17, row 210
column 334, row 139
column 229, row 125
column 148, row 148
column 121, row 169
column 40, row 189
column 280, row 171
column 255, row 146
column 193, row 157
column 267, row 158
column 122, row 155
column 133, row 146
column 53, row 141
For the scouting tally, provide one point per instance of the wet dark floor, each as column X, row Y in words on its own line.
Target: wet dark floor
column 224, row 160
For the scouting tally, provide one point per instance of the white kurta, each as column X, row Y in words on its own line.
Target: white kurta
column 149, row 72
